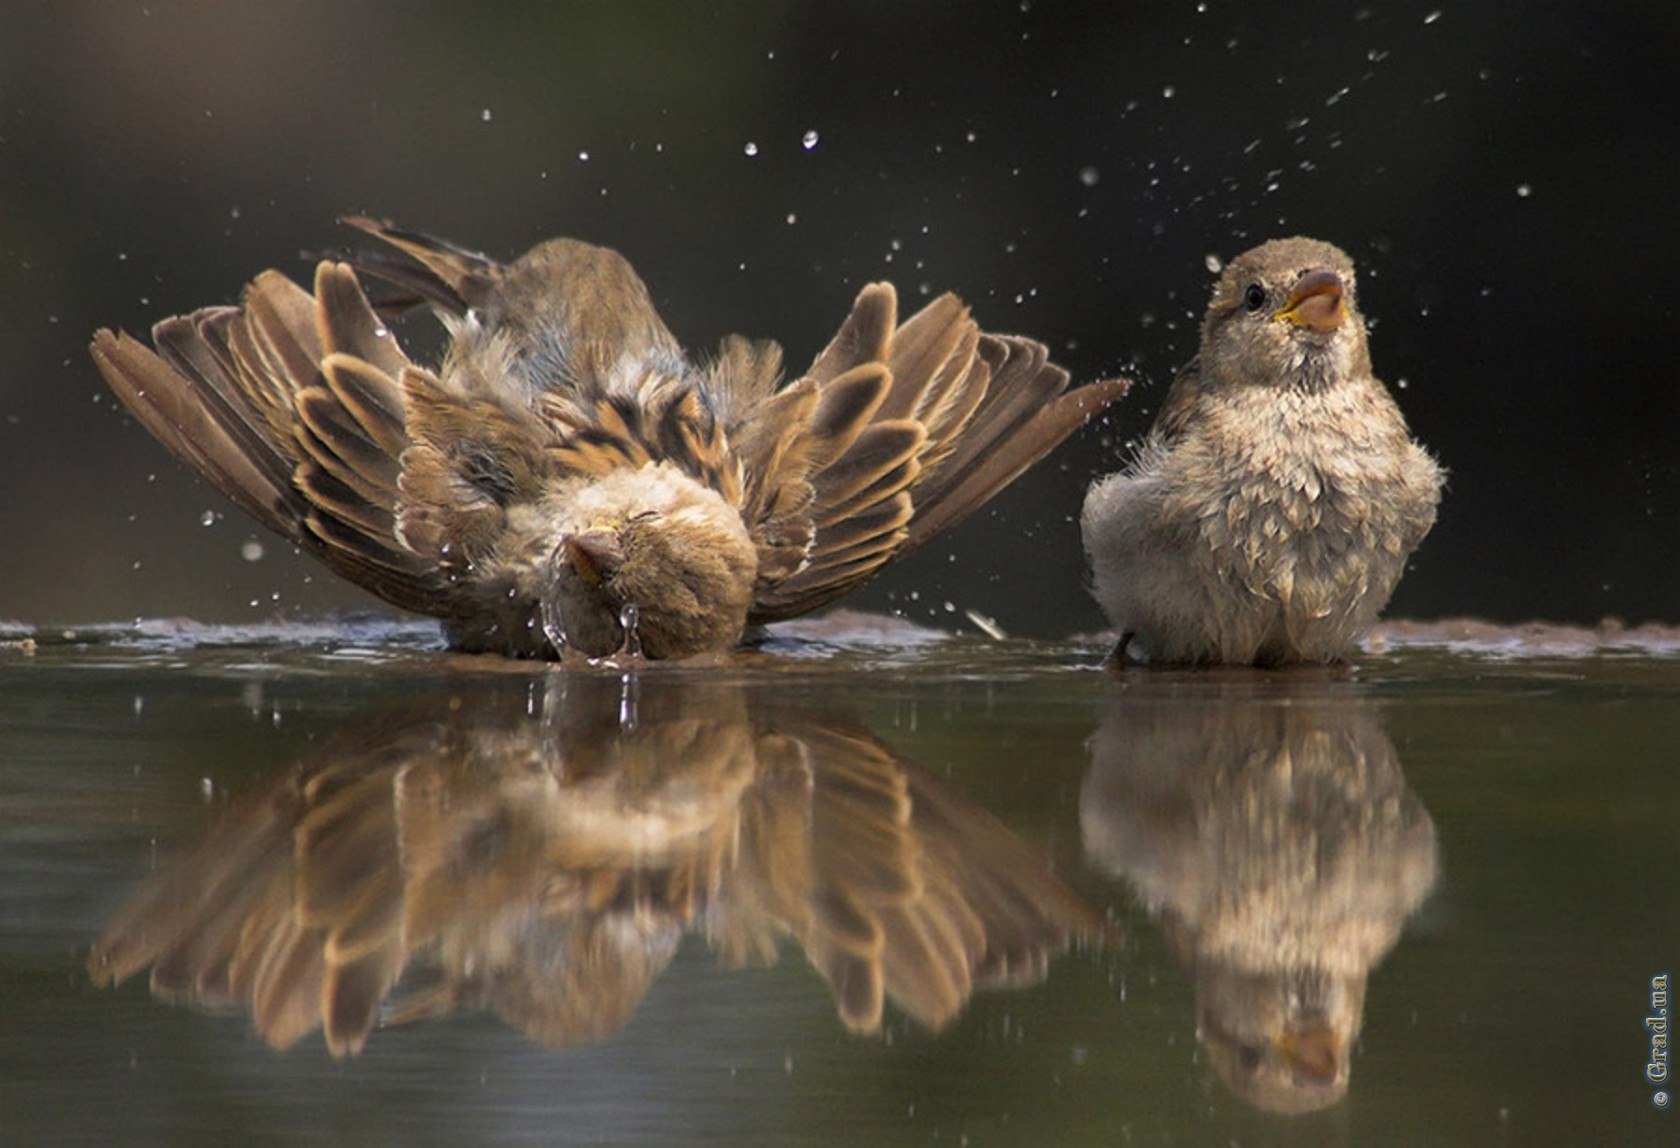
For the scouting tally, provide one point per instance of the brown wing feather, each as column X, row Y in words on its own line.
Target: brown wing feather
column 288, row 406
column 347, row 322
column 983, row 466
column 983, row 409
column 200, row 428
column 863, row 337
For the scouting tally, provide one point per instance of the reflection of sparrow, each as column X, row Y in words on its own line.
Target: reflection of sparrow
column 546, row 866
column 568, row 479
column 1270, row 512
column 1275, row 839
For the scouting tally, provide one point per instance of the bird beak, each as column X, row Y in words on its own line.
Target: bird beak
column 594, row 554
column 1316, row 302
column 1312, row 1052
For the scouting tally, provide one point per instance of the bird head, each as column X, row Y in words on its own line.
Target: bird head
column 1281, row 1040
column 649, row 561
column 1285, row 314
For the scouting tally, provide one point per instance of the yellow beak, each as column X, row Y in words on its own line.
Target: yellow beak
column 1316, row 302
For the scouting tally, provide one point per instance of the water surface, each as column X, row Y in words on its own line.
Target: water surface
column 859, row 889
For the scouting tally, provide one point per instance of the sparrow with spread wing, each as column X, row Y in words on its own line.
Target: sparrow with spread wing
column 567, row 479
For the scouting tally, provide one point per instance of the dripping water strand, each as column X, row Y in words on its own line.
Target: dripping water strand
column 629, row 617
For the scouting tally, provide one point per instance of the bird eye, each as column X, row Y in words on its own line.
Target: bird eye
column 643, row 516
column 1254, row 297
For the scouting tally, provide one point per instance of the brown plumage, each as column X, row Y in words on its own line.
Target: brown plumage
column 567, row 470
column 1269, row 514
column 544, row 857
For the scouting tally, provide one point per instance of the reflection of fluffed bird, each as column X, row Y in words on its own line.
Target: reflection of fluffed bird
column 1268, row 516
column 568, row 479
column 1274, row 837
column 471, row 854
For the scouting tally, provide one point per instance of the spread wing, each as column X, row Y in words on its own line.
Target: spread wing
column 895, row 434
column 290, row 405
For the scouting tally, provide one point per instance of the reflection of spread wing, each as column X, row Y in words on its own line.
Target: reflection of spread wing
column 894, row 887
column 292, row 907
column 546, row 866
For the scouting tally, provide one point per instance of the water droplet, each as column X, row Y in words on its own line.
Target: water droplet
column 792, row 219
column 1214, row 263
column 1168, row 92
column 1524, row 190
column 1089, row 176
column 1432, row 17
column 809, row 140
column 630, row 617
column 751, row 149
column 583, row 156
column 251, row 550
column 485, row 115
column 552, row 627
column 208, row 518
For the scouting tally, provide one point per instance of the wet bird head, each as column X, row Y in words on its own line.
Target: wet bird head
column 649, row 561
column 1284, row 314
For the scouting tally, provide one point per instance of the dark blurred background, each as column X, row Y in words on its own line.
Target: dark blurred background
column 1505, row 175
